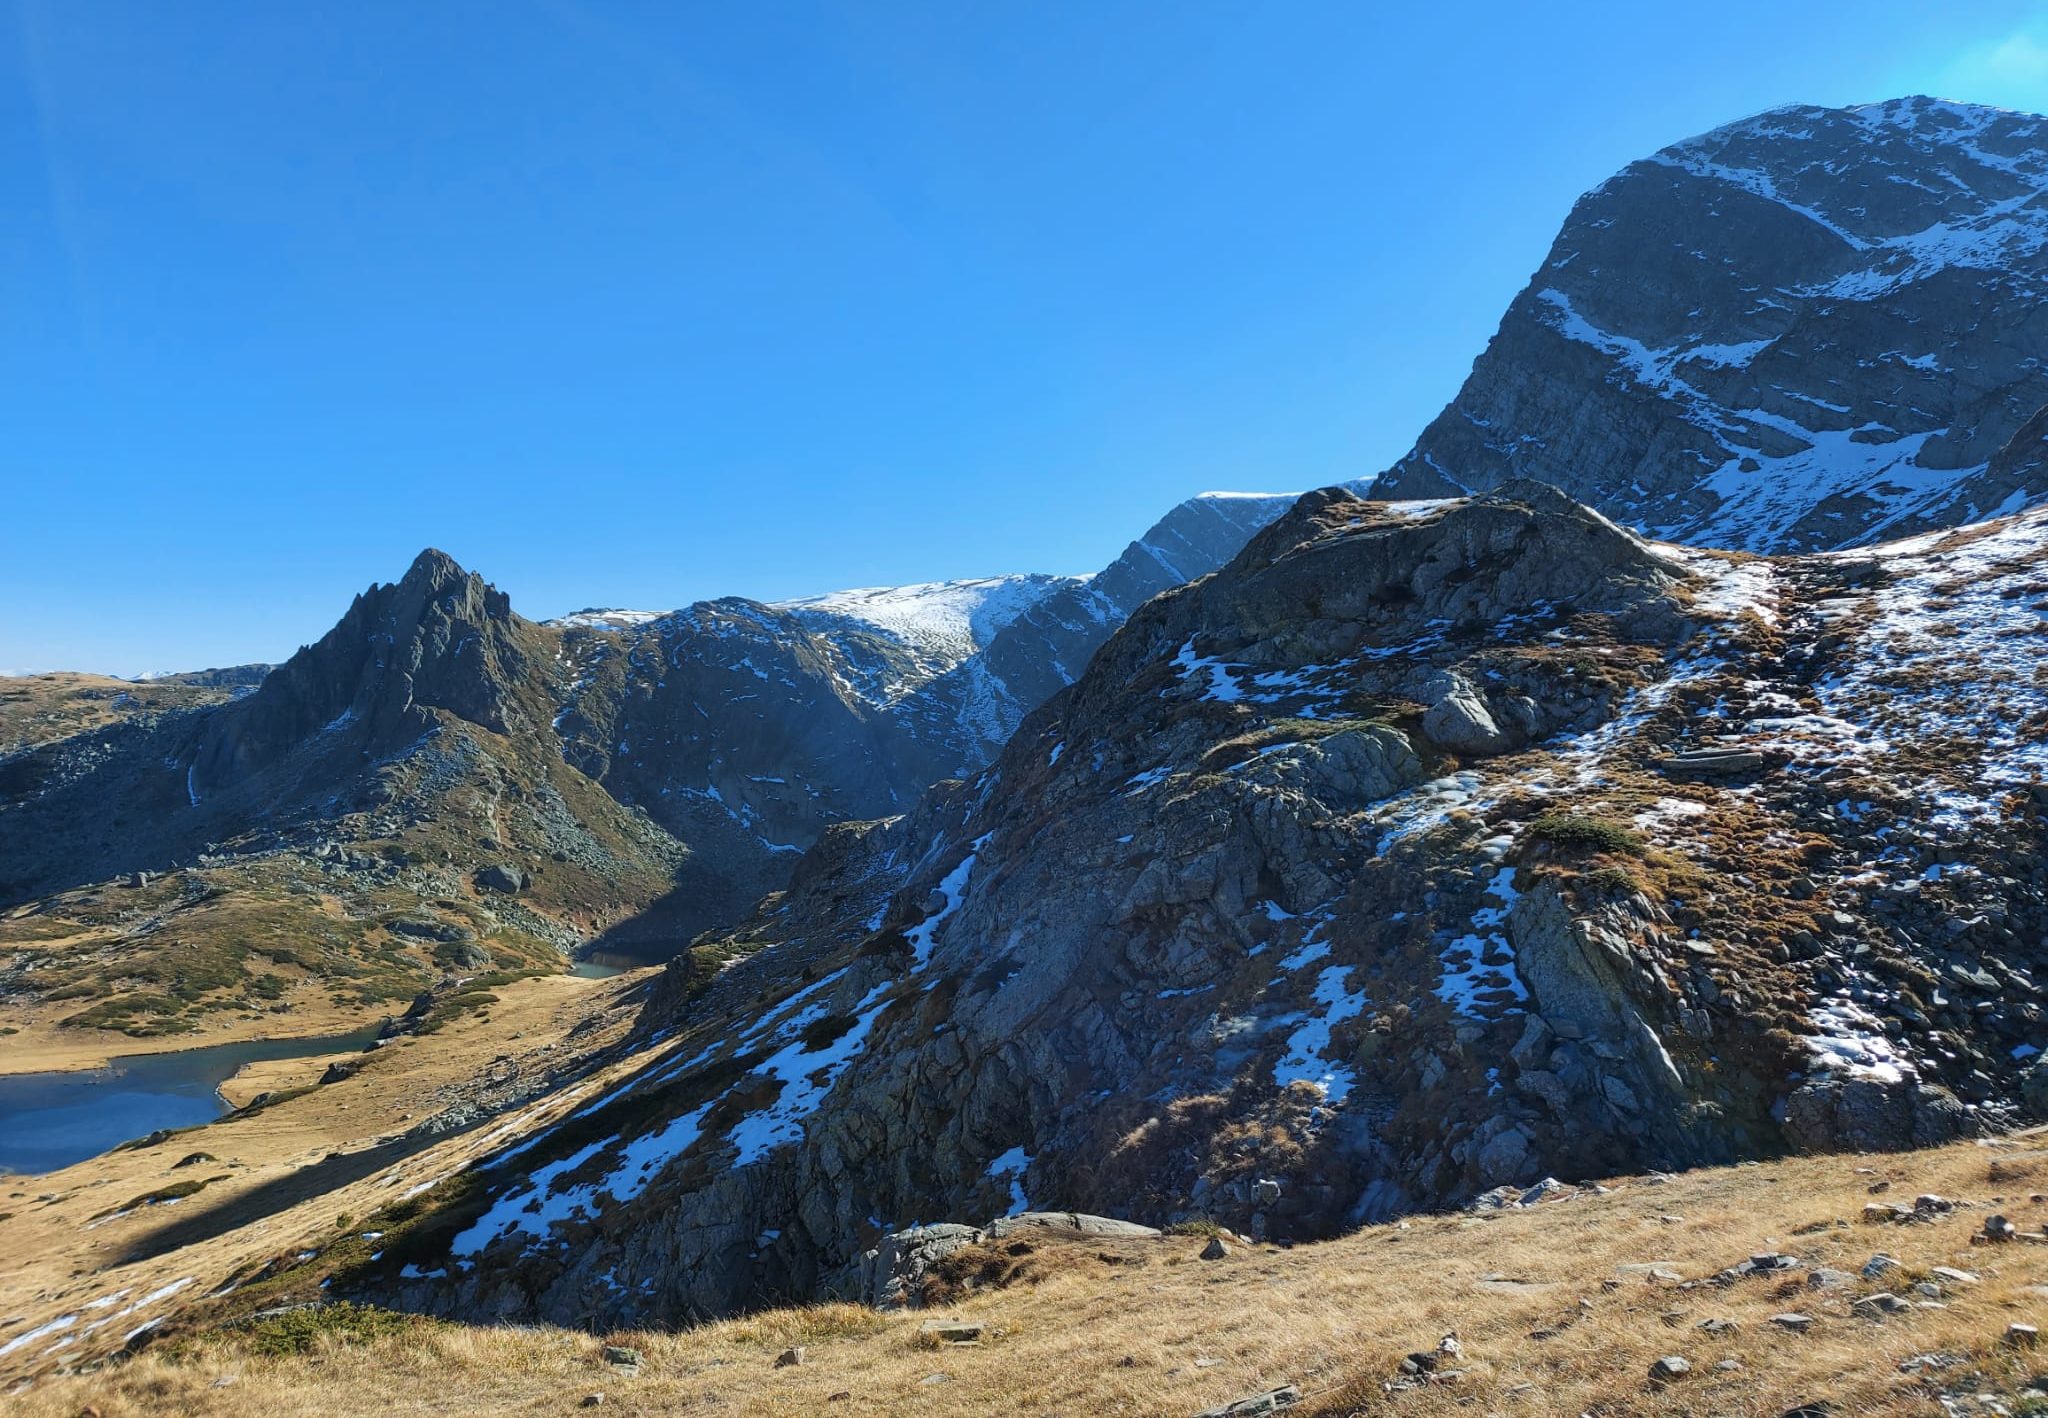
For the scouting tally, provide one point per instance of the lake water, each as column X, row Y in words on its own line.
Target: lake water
column 50, row 1120
column 596, row 970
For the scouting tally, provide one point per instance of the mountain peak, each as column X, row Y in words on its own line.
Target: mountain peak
column 1797, row 331
column 433, row 569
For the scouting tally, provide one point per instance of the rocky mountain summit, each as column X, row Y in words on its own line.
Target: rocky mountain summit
column 1424, row 848
column 1812, row 328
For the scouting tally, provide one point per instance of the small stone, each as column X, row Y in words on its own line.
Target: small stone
column 1717, row 1325
column 621, row 1357
column 952, row 1331
column 592, row 1400
column 1215, row 1250
column 1878, row 1188
column 1729, row 1366
column 1826, row 1279
column 1271, row 1401
column 1670, row 1367
column 1931, row 1201
column 1879, row 1305
column 1795, row 1322
column 2022, row 1336
column 790, row 1357
column 932, row 1379
column 1950, row 1275
column 1998, row 1228
column 1878, row 1265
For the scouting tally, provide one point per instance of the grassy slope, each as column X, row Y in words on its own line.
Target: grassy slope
column 38, row 709
column 1147, row 1328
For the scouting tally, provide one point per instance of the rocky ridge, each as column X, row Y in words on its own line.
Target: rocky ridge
column 1812, row 328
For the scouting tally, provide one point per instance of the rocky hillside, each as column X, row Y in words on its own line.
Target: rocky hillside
column 1813, row 328
column 1425, row 848
column 48, row 708
column 1752, row 1290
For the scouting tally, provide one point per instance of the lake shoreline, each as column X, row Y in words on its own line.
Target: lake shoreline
column 43, row 1045
column 49, row 1048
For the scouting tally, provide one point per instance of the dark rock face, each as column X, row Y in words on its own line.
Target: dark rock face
column 439, row 638
column 1813, row 328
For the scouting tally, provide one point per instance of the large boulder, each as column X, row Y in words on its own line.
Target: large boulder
column 504, row 877
column 1458, row 717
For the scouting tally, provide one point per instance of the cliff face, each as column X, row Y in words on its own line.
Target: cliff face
column 1812, row 328
column 1422, row 849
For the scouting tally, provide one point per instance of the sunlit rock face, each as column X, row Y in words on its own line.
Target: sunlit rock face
column 1813, row 328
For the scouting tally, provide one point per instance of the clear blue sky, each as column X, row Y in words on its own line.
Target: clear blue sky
column 632, row 304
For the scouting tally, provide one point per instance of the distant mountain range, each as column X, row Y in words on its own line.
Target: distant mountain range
column 635, row 777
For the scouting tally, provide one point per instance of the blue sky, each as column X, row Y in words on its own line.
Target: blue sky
column 631, row 304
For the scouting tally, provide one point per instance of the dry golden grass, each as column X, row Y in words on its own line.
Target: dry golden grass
column 1147, row 1328
column 286, row 1175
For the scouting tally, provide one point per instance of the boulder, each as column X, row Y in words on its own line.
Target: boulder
column 2034, row 1088
column 1458, row 717
column 1073, row 1223
column 504, row 877
column 1273, row 1400
column 951, row 1331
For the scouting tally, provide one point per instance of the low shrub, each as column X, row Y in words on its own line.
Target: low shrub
column 1579, row 832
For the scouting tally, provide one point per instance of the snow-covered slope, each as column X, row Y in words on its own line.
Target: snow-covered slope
column 598, row 618
column 940, row 623
column 1811, row 328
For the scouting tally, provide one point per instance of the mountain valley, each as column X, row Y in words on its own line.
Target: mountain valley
column 1489, row 899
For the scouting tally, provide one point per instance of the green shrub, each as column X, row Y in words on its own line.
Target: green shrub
column 301, row 1330
column 1578, row 832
